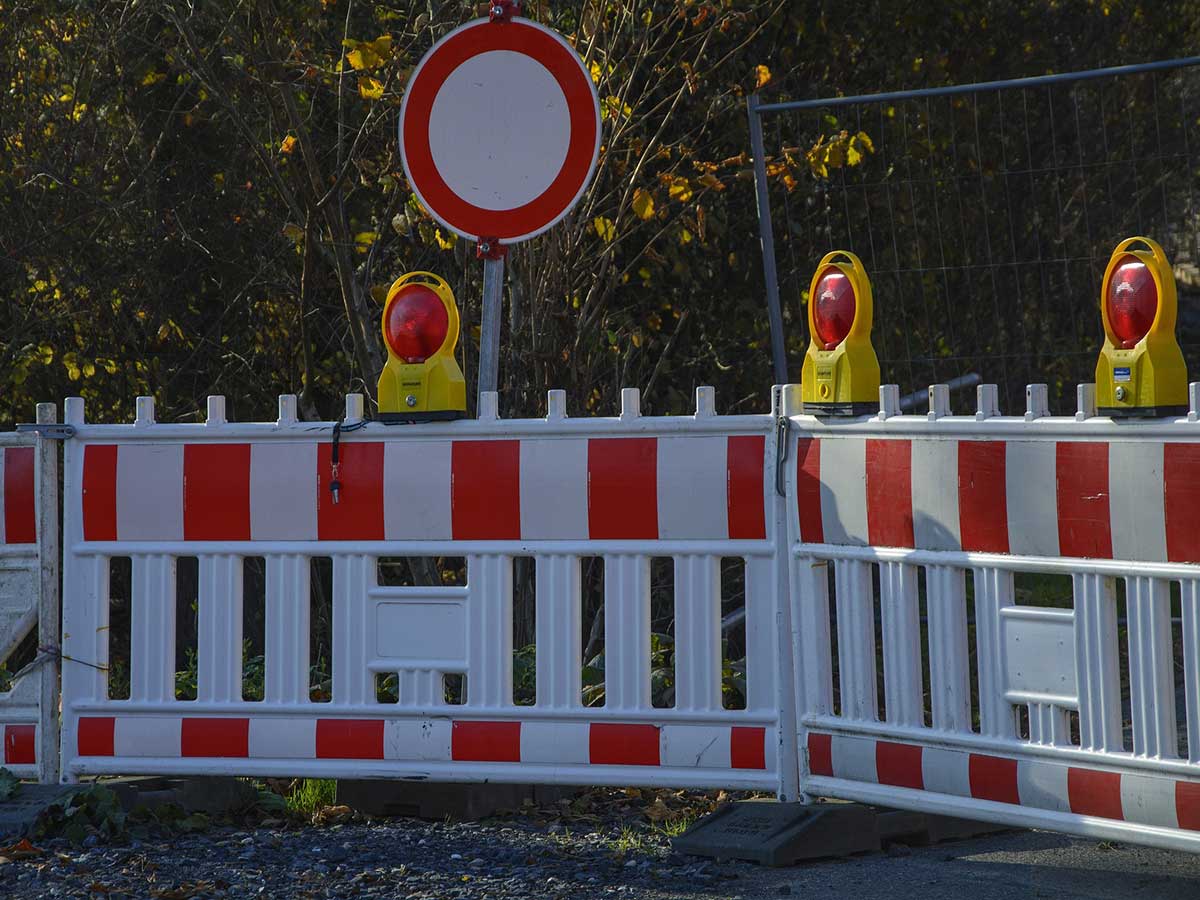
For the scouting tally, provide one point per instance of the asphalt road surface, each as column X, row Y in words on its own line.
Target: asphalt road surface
column 1001, row 867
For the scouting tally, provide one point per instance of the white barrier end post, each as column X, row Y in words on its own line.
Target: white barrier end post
column 631, row 403
column 987, row 402
column 1037, row 403
column 1085, row 402
column 287, row 409
column 73, row 411
column 939, row 401
column 786, row 400
column 706, row 404
column 556, row 405
column 489, row 406
column 889, row 401
column 216, row 410
column 145, row 412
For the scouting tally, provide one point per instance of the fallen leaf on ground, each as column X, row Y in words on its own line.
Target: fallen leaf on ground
column 20, row 850
column 333, row 814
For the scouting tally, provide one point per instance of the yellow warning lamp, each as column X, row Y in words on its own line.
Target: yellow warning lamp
column 421, row 381
column 1141, row 371
column 841, row 372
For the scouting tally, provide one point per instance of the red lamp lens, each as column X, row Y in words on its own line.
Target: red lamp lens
column 416, row 323
column 1132, row 298
column 834, row 308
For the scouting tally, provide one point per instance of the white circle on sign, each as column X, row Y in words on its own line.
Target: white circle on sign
column 499, row 130
column 489, row 149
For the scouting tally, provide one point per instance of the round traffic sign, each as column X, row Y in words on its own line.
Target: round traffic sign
column 500, row 129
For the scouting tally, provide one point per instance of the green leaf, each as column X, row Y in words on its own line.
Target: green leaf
column 9, row 784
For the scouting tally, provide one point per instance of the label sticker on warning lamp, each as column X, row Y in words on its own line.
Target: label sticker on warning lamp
column 1121, row 374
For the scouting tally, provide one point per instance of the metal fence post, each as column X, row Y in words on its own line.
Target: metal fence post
column 767, row 236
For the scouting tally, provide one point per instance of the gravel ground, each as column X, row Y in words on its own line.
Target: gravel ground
column 523, row 857
column 399, row 858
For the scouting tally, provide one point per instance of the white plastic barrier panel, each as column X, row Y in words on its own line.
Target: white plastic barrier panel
column 29, row 572
column 1033, row 585
column 617, row 493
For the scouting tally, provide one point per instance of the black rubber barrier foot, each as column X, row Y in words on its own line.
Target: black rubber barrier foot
column 783, row 834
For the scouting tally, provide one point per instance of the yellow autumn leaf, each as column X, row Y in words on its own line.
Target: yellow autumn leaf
column 835, row 154
column 288, row 144
column 816, row 162
column 605, row 228
column 614, row 107
column 711, row 181
column 153, row 78
column 367, row 55
column 681, row 189
column 762, row 76
column 364, row 239
column 643, row 204
column 596, row 71
column 445, row 242
column 293, row 231
column 685, row 236
column 370, row 88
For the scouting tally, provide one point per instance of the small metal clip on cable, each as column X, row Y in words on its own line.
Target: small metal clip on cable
column 781, row 454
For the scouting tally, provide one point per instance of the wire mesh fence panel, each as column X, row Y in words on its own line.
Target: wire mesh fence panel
column 985, row 215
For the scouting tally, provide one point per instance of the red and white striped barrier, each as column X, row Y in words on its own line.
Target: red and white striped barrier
column 1106, row 499
column 912, row 531
column 424, row 740
column 18, row 496
column 695, row 488
column 909, row 531
column 20, row 744
column 1137, row 798
column 706, row 487
column 29, row 586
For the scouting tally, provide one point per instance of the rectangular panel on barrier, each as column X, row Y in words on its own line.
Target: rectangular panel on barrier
column 1032, row 587
column 546, row 648
column 29, row 569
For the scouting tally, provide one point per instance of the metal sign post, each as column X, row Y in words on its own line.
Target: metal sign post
column 489, row 339
column 499, row 136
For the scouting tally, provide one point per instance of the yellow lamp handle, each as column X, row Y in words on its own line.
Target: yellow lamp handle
column 853, row 260
column 429, row 277
column 1155, row 249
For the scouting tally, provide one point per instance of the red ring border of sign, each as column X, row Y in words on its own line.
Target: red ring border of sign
column 559, row 58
